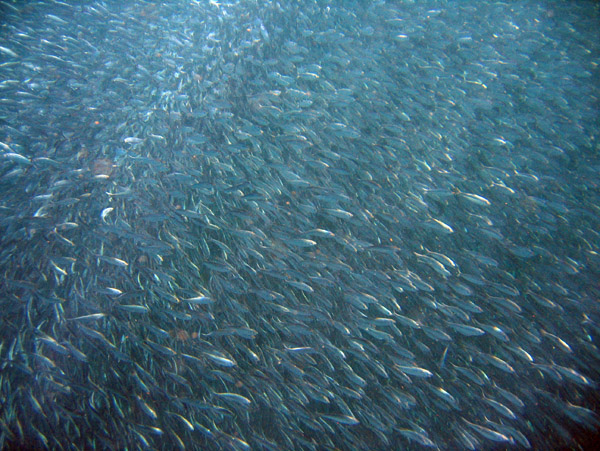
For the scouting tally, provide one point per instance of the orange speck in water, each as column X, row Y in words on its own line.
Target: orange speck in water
column 181, row 334
column 96, row 122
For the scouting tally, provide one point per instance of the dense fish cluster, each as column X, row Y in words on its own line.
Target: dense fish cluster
column 299, row 224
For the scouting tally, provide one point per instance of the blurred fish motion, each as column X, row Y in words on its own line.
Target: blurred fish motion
column 311, row 225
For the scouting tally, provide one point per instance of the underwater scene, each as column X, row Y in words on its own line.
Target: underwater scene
column 299, row 225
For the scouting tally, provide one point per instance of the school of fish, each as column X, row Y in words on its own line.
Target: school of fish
column 315, row 225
